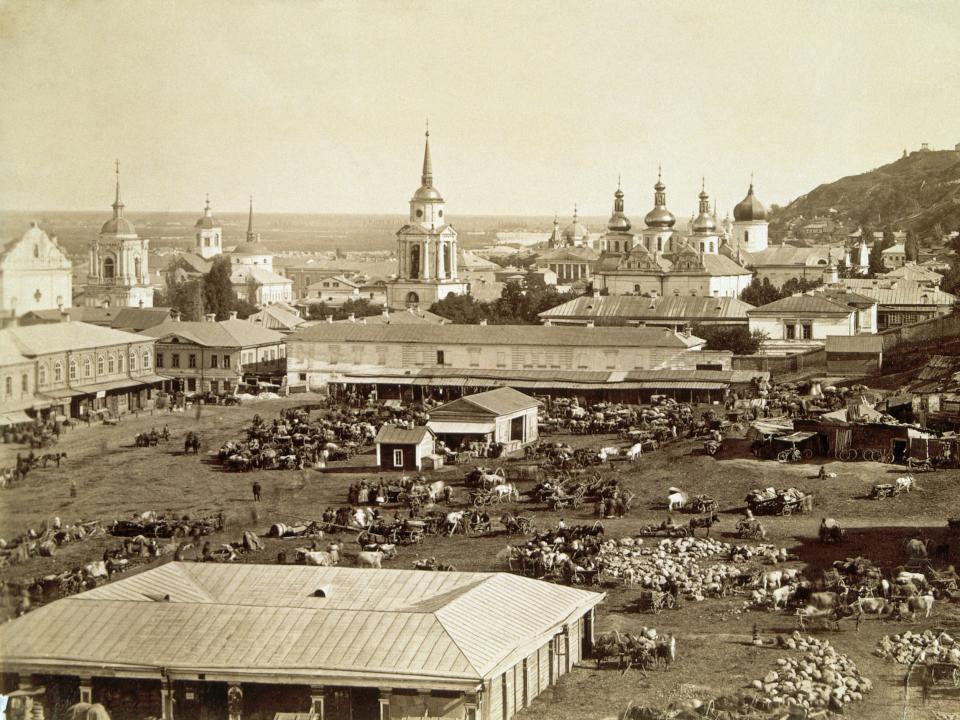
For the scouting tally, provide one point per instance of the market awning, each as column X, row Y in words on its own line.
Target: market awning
column 62, row 393
column 441, row 427
column 439, row 382
column 796, row 437
column 681, row 385
column 374, row 380
column 16, row 417
column 112, row 385
column 151, row 379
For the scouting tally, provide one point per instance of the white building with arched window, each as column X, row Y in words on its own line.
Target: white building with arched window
column 35, row 274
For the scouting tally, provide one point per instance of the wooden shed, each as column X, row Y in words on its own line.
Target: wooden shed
column 402, row 449
column 854, row 355
column 504, row 415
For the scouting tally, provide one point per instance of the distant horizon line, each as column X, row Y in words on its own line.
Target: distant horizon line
column 289, row 212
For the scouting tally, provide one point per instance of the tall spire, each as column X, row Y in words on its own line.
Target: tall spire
column 206, row 209
column 426, row 177
column 117, row 203
column 251, row 237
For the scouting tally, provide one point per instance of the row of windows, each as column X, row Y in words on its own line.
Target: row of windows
column 24, row 385
column 798, row 331
column 112, row 363
column 215, row 360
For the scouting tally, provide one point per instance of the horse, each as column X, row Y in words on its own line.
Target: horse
column 665, row 651
column 916, row 549
column 707, row 521
column 55, row 457
column 676, row 499
column 454, row 521
column 191, row 443
column 505, row 491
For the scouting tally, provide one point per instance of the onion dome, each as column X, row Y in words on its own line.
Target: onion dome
column 749, row 209
column 660, row 217
column 574, row 231
column 704, row 223
column 118, row 224
column 208, row 221
column 618, row 221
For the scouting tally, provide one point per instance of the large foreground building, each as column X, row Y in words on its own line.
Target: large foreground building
column 193, row 641
column 35, row 274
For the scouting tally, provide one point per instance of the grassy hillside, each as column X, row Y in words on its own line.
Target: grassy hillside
column 917, row 192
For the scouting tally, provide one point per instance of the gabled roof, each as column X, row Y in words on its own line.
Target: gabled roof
column 568, row 254
column 802, row 303
column 225, row 333
column 251, row 248
column 792, row 255
column 46, row 338
column 276, row 318
column 518, row 335
column 846, row 297
column 899, row 292
column 240, row 273
column 393, row 435
column 501, row 401
column 381, row 625
column 338, row 278
column 410, row 316
column 139, row 319
column 193, row 261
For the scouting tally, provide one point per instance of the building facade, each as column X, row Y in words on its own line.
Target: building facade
column 81, row 369
column 209, row 236
column 119, row 273
column 324, row 352
column 426, row 249
column 801, row 322
column 673, row 311
column 217, row 357
column 35, row 274
column 251, row 271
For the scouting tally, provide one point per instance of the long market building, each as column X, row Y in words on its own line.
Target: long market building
column 198, row 640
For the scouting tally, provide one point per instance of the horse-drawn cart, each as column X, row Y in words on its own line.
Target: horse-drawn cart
column 884, row 490
column 654, row 601
column 750, row 528
column 701, row 504
column 559, row 500
column 779, row 502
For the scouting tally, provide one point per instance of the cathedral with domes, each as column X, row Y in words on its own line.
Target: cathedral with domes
column 658, row 261
column 426, row 249
column 118, row 274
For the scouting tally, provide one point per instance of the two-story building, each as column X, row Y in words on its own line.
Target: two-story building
column 801, row 322
column 329, row 351
column 81, row 368
column 211, row 356
column 17, row 384
column 902, row 302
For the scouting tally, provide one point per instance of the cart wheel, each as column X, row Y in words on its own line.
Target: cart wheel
column 577, row 502
column 786, row 511
column 807, row 454
column 669, row 602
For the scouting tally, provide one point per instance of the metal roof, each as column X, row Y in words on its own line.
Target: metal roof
column 46, row 338
column 633, row 307
column 442, row 427
column 401, row 626
column 394, row 435
column 488, row 335
column 501, row 401
column 802, row 303
column 223, row 333
column 899, row 292
column 854, row 343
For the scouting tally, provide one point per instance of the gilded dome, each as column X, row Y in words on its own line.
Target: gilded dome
column 660, row 217
column 704, row 224
column 207, row 221
column 428, row 192
column 575, row 231
column 749, row 209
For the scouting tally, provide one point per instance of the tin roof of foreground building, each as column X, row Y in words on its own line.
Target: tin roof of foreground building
column 46, row 338
column 413, row 629
column 670, row 307
column 519, row 335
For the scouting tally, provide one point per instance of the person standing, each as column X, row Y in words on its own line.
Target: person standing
column 256, row 491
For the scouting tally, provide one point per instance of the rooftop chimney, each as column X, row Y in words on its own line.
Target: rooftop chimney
column 233, row 314
column 210, row 317
column 352, row 317
column 590, row 323
column 386, row 312
column 483, row 322
column 330, row 319
column 175, row 315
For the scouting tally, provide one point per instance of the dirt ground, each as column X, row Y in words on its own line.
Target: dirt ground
column 115, row 480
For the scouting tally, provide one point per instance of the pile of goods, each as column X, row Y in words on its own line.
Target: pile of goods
column 770, row 501
column 643, row 651
column 150, row 524
column 45, row 541
column 910, row 647
column 821, row 678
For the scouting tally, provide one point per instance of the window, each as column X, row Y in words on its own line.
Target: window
column 24, row 383
column 112, row 363
column 58, row 372
column 8, row 383
column 474, row 357
column 100, row 364
column 746, row 236
column 807, row 331
column 146, row 359
column 611, row 359
column 108, row 268
column 42, row 375
column 214, row 361
column 120, row 362
column 334, row 354
column 175, row 360
column 381, row 355
column 87, row 367
column 226, row 362
column 159, row 359
column 133, row 360
column 398, row 458
column 191, row 360
column 501, row 359
column 790, row 331
column 440, row 357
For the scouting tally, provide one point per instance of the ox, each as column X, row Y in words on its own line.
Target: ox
column 369, row 559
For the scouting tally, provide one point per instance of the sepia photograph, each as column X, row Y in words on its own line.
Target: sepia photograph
column 658, row 419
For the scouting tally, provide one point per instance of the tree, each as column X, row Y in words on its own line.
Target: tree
column 736, row 338
column 461, row 309
column 799, row 285
column 912, row 247
column 185, row 298
column 218, row 295
column 876, row 252
column 760, row 292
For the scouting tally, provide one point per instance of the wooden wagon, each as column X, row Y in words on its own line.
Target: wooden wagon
column 558, row 500
column 654, row 601
column 884, row 490
column 781, row 504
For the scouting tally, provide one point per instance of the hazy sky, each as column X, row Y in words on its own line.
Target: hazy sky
column 320, row 106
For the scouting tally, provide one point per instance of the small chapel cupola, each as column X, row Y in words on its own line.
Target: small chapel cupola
column 704, row 225
column 209, row 234
column 556, row 239
column 426, row 205
column 618, row 221
column 750, row 223
column 660, row 217
column 118, row 224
